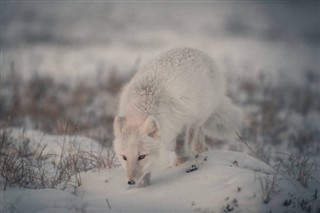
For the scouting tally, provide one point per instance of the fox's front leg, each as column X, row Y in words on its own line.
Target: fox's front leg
column 181, row 150
column 145, row 181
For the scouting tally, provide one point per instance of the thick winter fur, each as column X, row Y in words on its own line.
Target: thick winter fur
column 178, row 92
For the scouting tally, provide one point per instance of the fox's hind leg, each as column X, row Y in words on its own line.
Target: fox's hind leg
column 189, row 144
column 196, row 140
column 199, row 145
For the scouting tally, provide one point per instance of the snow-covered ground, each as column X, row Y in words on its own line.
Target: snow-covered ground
column 226, row 181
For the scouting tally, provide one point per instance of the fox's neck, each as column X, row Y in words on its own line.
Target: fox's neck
column 168, row 128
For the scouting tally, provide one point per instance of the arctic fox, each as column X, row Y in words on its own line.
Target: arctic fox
column 179, row 92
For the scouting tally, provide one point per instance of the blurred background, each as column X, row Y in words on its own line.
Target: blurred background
column 63, row 63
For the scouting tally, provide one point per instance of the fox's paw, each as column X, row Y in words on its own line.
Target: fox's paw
column 143, row 184
column 193, row 167
column 196, row 164
column 145, row 181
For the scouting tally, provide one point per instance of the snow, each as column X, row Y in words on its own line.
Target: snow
column 225, row 180
column 42, row 200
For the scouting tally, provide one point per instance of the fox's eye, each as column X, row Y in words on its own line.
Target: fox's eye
column 124, row 157
column 141, row 157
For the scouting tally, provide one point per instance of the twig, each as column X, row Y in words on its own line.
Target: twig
column 247, row 145
column 108, row 203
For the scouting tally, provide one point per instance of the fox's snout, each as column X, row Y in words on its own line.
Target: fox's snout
column 131, row 182
column 132, row 173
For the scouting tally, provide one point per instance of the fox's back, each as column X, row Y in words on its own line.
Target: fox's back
column 181, row 80
column 179, row 62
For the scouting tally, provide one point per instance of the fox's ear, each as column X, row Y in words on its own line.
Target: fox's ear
column 118, row 125
column 151, row 127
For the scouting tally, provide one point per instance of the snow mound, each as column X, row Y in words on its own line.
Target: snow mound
column 227, row 181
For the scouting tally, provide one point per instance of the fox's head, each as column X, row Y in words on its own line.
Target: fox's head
column 136, row 146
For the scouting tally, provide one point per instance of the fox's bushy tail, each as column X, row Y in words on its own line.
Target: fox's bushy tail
column 225, row 121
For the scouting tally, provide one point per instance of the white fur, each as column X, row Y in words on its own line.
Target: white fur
column 177, row 91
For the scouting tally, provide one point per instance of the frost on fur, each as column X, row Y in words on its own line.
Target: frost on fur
column 179, row 93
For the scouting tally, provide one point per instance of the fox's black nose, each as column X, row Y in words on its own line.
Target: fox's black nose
column 131, row 182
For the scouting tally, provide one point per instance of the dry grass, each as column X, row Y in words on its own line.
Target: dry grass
column 27, row 166
column 268, row 187
column 43, row 104
column 299, row 166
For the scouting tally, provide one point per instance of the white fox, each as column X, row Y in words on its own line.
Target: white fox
column 178, row 92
